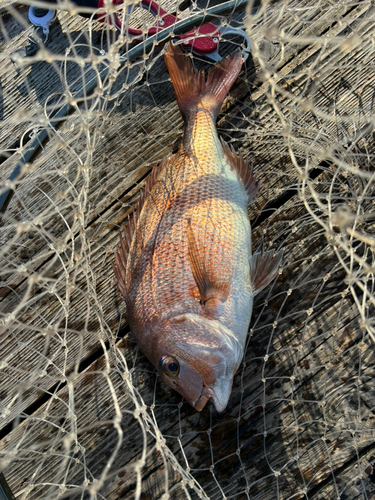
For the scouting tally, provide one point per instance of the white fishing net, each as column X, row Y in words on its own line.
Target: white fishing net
column 83, row 414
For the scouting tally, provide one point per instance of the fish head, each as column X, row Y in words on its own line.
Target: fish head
column 197, row 357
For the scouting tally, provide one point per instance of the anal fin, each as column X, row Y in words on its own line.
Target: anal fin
column 212, row 293
column 242, row 169
column 264, row 268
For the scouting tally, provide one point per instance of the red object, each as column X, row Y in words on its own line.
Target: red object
column 194, row 39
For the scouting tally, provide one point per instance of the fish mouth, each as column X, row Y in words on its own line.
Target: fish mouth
column 206, row 394
column 219, row 393
column 220, row 350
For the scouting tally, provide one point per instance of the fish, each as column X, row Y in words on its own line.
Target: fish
column 184, row 265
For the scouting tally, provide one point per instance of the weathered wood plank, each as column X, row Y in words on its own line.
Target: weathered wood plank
column 116, row 179
column 191, row 421
column 93, row 314
column 281, row 345
column 79, row 426
column 292, row 429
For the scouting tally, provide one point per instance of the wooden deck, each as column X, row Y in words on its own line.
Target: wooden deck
column 82, row 413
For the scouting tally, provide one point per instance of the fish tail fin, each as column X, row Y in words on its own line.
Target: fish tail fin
column 192, row 88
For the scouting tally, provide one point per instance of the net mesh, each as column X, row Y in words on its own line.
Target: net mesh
column 83, row 414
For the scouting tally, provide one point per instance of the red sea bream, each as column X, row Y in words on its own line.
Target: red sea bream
column 185, row 267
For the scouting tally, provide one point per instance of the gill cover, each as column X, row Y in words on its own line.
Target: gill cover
column 208, row 355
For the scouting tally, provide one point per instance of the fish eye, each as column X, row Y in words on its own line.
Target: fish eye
column 170, row 365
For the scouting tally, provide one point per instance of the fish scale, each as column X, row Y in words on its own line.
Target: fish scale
column 198, row 205
column 185, row 267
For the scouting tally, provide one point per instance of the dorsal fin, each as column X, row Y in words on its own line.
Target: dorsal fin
column 242, row 169
column 122, row 250
column 121, row 256
column 149, row 183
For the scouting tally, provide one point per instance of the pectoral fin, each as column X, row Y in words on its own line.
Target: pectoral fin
column 263, row 268
column 212, row 292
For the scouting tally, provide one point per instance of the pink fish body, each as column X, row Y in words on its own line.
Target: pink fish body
column 185, row 268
